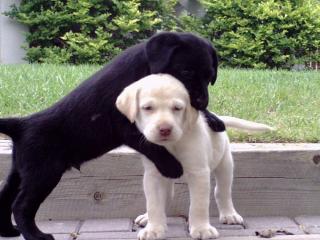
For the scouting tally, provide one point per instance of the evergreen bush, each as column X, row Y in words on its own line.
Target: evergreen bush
column 88, row 31
column 246, row 33
column 260, row 34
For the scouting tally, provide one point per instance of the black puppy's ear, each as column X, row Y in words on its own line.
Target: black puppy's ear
column 215, row 65
column 159, row 50
column 214, row 56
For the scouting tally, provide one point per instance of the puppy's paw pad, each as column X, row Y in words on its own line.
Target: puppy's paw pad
column 141, row 220
column 152, row 232
column 204, row 232
column 233, row 218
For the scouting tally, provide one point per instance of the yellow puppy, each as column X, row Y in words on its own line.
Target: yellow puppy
column 160, row 107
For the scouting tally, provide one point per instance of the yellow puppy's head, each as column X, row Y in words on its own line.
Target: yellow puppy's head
column 160, row 106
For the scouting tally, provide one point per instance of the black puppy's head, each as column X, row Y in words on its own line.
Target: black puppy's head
column 187, row 57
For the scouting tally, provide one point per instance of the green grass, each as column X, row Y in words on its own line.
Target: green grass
column 25, row 89
column 289, row 101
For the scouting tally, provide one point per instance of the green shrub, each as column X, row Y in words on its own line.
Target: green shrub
column 260, row 34
column 82, row 31
column 246, row 33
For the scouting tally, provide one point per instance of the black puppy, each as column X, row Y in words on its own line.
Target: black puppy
column 86, row 124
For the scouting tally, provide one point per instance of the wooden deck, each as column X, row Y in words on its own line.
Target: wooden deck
column 101, row 200
column 302, row 228
column 270, row 180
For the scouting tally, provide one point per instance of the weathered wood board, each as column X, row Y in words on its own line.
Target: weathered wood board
column 270, row 179
column 125, row 229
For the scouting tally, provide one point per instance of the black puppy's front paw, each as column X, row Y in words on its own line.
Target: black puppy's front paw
column 171, row 169
column 9, row 232
column 214, row 122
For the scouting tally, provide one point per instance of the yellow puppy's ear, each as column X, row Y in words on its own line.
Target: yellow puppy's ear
column 127, row 101
column 191, row 116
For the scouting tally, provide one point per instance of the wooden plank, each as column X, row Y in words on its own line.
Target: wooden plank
column 108, row 236
column 309, row 224
column 273, row 223
column 59, row 227
column 107, row 225
column 284, row 237
column 269, row 180
column 177, row 229
column 133, row 236
column 56, row 237
column 124, row 198
column 76, row 199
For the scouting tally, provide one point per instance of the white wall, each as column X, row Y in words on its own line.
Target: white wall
column 192, row 6
column 11, row 36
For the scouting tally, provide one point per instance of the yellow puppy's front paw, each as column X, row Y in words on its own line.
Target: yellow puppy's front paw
column 204, row 232
column 142, row 220
column 151, row 232
column 233, row 218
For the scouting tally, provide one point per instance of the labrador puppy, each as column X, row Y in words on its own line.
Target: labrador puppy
column 160, row 107
column 86, row 124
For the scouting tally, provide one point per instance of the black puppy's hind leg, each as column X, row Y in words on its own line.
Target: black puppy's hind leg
column 214, row 122
column 35, row 187
column 7, row 196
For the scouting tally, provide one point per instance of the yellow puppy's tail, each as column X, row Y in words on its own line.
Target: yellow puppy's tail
column 245, row 125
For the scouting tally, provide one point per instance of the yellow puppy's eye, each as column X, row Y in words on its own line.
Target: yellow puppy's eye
column 177, row 108
column 147, row 108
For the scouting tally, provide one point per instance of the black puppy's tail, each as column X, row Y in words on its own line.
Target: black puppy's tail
column 10, row 127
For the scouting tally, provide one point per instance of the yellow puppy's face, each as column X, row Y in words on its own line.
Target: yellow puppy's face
column 160, row 106
column 160, row 114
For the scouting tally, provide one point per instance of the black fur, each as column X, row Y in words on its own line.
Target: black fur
column 86, row 124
